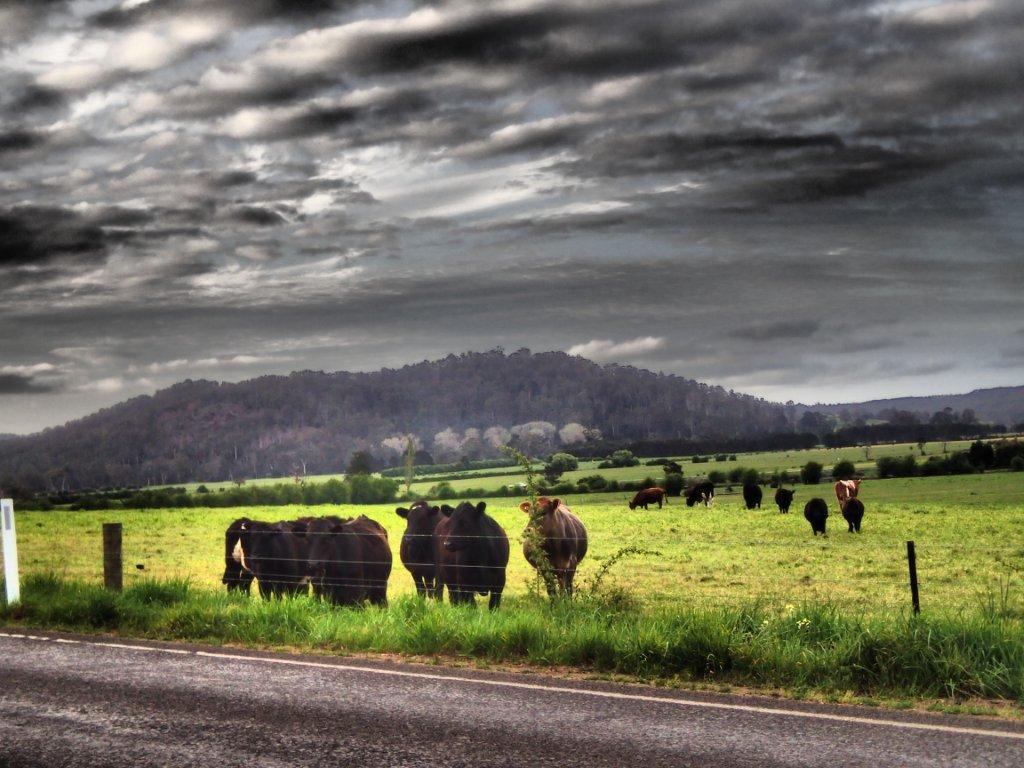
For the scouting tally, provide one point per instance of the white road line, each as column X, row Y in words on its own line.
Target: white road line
column 679, row 702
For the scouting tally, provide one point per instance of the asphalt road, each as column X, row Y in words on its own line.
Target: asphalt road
column 76, row 701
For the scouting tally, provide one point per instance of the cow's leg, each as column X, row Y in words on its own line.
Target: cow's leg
column 659, row 503
column 421, row 585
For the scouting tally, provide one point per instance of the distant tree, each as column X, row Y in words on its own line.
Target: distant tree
column 810, row 474
column 623, row 458
column 967, row 416
column 423, row 458
column 673, row 483
column 361, row 463
column 716, row 476
column 672, row 468
column 982, row 455
column 566, row 462
column 751, row 477
column 843, row 470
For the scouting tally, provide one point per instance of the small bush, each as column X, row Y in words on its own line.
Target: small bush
column 716, row 477
column 811, row 473
column 843, row 470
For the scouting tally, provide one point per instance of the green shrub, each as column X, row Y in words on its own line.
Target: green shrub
column 673, row 483
column 844, row 470
column 810, row 474
column 716, row 477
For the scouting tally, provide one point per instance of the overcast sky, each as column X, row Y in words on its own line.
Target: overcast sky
column 821, row 201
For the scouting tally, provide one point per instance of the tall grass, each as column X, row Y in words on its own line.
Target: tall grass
column 805, row 647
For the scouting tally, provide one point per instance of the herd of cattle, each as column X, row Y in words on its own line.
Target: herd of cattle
column 348, row 561
column 815, row 511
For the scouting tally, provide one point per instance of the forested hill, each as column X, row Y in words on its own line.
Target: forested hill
column 1000, row 405
column 465, row 405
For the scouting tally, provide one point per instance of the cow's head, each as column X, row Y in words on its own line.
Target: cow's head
column 465, row 526
column 420, row 520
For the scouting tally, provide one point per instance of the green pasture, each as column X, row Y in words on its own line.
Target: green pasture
column 969, row 532
column 763, row 461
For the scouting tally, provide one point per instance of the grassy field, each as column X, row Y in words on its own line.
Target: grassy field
column 765, row 462
column 969, row 532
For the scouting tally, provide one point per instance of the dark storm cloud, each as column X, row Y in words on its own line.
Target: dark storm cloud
column 785, row 329
column 260, row 217
column 18, row 384
column 233, row 179
column 30, row 234
column 605, row 176
column 18, row 140
column 249, row 12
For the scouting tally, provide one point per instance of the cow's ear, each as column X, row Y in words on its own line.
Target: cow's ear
column 481, row 507
column 402, row 512
column 554, row 504
column 447, row 510
column 526, row 507
column 435, row 510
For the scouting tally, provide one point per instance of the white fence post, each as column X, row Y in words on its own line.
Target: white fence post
column 10, row 551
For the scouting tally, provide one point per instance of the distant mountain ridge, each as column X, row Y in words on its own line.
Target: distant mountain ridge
column 462, row 405
column 465, row 404
column 999, row 405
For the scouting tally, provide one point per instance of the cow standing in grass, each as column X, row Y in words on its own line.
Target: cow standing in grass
column 349, row 560
column 471, row 551
column 417, row 548
column 816, row 513
column 784, row 498
column 846, row 490
column 275, row 554
column 853, row 513
column 235, row 577
column 752, row 495
column 702, row 492
column 649, row 496
column 554, row 542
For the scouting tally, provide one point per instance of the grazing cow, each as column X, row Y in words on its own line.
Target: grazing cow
column 649, row 496
column 784, row 497
column 846, row 490
column 853, row 513
column 471, row 551
column 752, row 495
column 556, row 535
column 235, row 577
column 704, row 492
column 816, row 513
column 349, row 560
column 276, row 554
column 417, row 549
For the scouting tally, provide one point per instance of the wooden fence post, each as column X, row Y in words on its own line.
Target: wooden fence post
column 912, row 565
column 113, row 573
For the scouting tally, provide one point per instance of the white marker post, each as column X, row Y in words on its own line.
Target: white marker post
column 10, row 551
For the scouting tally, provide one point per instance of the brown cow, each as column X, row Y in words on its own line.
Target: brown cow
column 846, row 490
column 560, row 536
column 649, row 496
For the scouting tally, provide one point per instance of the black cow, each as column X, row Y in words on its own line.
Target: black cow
column 276, row 554
column 349, row 560
column 704, row 492
column 235, row 577
column 853, row 513
column 471, row 551
column 417, row 549
column 816, row 513
column 752, row 495
column 784, row 497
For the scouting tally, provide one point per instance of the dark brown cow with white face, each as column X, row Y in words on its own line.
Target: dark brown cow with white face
column 556, row 535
